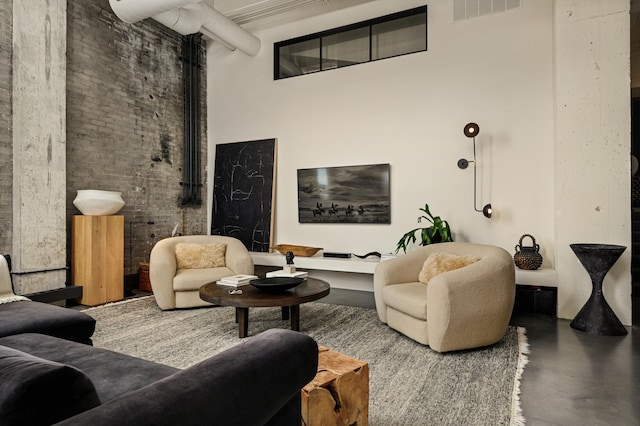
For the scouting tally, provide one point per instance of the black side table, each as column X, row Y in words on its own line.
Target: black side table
column 596, row 316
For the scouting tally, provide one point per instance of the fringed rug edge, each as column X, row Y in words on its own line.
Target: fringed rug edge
column 120, row 302
column 517, row 418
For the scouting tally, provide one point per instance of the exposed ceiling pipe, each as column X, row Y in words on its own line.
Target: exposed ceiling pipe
column 131, row 11
column 189, row 17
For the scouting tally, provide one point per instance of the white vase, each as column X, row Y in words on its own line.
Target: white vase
column 94, row 202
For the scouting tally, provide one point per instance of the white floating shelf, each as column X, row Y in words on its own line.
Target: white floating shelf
column 318, row 262
column 546, row 277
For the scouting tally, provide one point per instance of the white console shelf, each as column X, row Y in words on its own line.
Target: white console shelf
column 319, row 263
column 545, row 277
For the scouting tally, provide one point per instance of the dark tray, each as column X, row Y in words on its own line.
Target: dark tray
column 276, row 283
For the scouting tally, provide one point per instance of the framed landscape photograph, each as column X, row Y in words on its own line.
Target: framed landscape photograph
column 348, row 194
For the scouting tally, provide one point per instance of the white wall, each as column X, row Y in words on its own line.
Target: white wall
column 409, row 111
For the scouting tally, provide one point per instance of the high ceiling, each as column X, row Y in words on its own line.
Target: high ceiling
column 259, row 14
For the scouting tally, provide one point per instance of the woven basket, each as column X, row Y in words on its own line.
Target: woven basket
column 144, row 283
column 528, row 257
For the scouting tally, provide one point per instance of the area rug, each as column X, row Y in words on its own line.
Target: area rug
column 409, row 383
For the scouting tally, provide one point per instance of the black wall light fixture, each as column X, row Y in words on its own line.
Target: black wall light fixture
column 470, row 131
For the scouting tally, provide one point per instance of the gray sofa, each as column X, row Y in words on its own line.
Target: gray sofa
column 18, row 314
column 47, row 380
column 50, row 374
column 26, row 316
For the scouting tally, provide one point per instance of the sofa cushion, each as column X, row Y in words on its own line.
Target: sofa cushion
column 410, row 298
column 441, row 262
column 36, row 391
column 193, row 279
column 36, row 317
column 112, row 374
column 200, row 256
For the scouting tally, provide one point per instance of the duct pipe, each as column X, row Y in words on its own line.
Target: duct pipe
column 189, row 17
column 172, row 19
column 199, row 17
column 131, row 11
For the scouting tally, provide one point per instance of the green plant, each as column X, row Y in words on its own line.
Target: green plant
column 438, row 232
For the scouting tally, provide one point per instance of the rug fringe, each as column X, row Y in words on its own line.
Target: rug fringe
column 120, row 302
column 517, row 418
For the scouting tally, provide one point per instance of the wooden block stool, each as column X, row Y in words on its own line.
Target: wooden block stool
column 339, row 394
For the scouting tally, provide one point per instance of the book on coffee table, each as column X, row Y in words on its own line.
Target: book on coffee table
column 236, row 280
column 282, row 273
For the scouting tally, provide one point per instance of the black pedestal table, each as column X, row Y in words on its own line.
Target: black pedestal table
column 596, row 316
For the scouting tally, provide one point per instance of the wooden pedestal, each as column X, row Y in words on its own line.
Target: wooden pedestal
column 339, row 394
column 97, row 258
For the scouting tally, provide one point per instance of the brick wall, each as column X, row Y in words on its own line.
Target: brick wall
column 124, row 124
column 6, row 150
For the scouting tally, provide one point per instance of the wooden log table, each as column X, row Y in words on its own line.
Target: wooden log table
column 339, row 394
column 311, row 289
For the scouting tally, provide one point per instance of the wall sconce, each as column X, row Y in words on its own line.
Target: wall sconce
column 470, row 131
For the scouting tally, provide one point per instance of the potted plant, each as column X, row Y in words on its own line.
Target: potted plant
column 437, row 232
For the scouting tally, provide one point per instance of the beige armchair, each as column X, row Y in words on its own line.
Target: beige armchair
column 459, row 309
column 178, row 288
column 6, row 289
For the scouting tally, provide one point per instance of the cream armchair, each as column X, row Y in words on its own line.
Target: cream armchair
column 178, row 288
column 6, row 289
column 459, row 309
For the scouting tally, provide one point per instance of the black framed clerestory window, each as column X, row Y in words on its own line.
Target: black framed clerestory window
column 399, row 33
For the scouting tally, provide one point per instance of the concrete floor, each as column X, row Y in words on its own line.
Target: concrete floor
column 572, row 378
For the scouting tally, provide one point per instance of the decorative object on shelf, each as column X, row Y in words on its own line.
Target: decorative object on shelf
column 470, row 131
column 289, row 257
column 338, row 255
column 276, row 283
column 302, row 251
column 350, row 194
column 438, row 232
column 94, row 202
column 289, row 268
column 528, row 257
column 371, row 253
column 596, row 316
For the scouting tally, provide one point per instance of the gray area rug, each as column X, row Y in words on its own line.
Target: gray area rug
column 409, row 383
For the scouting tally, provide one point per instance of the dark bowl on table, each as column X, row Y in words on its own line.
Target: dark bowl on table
column 276, row 283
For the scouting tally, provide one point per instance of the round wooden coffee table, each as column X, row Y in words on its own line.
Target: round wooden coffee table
column 311, row 289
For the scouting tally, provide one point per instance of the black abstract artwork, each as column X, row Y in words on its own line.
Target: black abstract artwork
column 350, row 194
column 243, row 189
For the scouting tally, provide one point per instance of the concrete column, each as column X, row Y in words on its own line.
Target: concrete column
column 592, row 146
column 39, row 145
